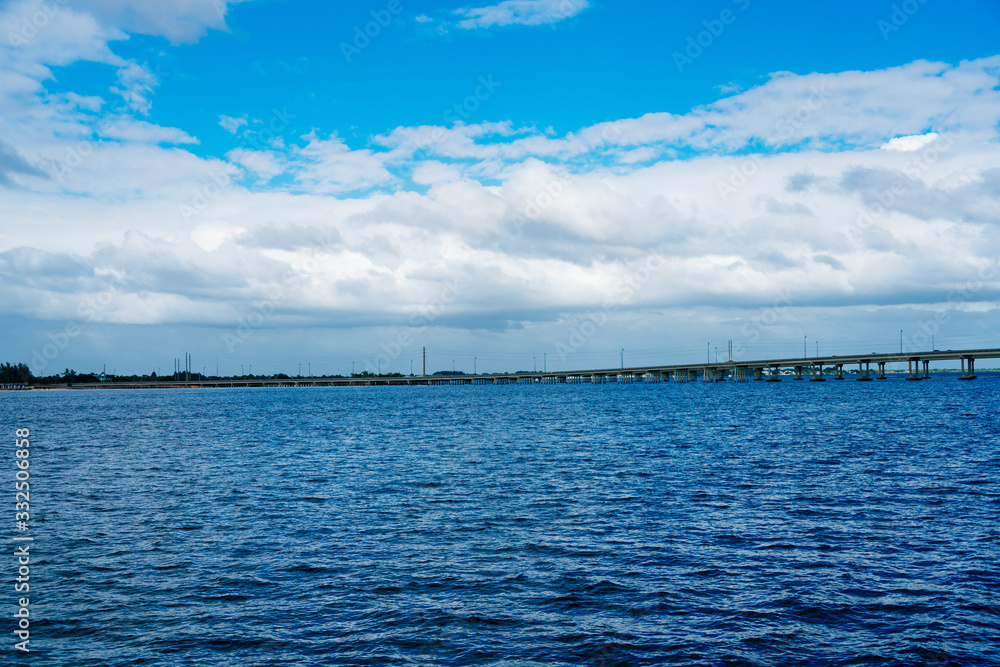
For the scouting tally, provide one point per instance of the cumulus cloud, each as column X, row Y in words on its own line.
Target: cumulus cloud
column 910, row 143
column 520, row 12
column 232, row 125
column 140, row 131
column 329, row 165
column 180, row 21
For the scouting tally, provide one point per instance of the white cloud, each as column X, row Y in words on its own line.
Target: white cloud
column 180, row 21
column 330, row 166
column 210, row 236
column 264, row 164
column 232, row 125
column 913, row 142
column 140, row 131
column 138, row 85
column 520, row 12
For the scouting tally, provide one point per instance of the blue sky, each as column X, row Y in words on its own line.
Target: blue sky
column 252, row 183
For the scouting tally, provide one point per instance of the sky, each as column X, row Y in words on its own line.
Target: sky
column 294, row 186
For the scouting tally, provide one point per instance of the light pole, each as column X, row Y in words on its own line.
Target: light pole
column 474, row 365
column 534, row 364
column 901, row 341
column 411, row 367
column 545, row 362
column 352, row 369
column 380, row 368
column 623, row 358
column 300, row 369
column 805, row 355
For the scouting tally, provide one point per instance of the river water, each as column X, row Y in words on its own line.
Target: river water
column 729, row 524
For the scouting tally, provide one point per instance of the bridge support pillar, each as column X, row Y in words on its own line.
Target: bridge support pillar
column 774, row 375
column 758, row 375
column 927, row 369
column 840, row 372
column 798, row 373
column 914, row 368
column 968, row 370
column 881, row 370
column 864, row 371
column 818, row 373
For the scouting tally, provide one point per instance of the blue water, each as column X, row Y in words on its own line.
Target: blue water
column 753, row 524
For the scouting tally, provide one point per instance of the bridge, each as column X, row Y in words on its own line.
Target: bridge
column 817, row 369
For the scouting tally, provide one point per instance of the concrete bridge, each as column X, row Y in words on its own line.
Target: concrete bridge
column 816, row 369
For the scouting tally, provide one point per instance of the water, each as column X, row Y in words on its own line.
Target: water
column 758, row 524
